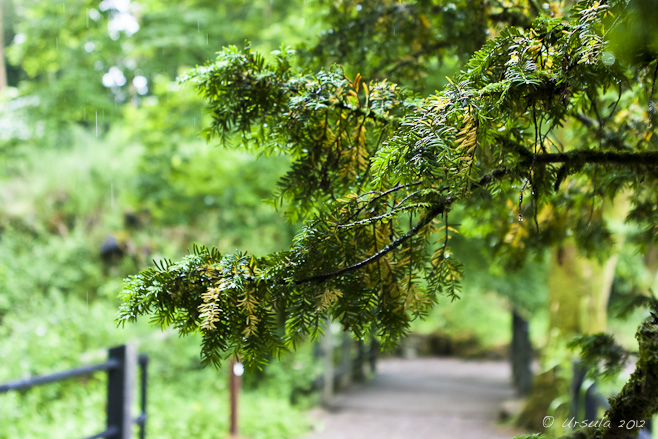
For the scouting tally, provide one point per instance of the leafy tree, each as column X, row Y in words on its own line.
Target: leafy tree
column 85, row 59
column 546, row 123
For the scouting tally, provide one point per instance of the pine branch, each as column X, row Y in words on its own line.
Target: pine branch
column 368, row 114
column 431, row 214
column 643, row 159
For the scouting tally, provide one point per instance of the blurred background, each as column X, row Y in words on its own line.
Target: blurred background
column 103, row 168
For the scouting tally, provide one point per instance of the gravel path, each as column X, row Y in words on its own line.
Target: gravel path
column 421, row 399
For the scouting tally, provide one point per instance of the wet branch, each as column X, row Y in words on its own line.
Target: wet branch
column 644, row 159
column 431, row 214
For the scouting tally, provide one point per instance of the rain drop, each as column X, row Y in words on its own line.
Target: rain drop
column 521, row 217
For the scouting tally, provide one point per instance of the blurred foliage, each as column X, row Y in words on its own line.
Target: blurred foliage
column 91, row 158
column 549, row 112
column 84, row 59
column 600, row 354
column 58, row 300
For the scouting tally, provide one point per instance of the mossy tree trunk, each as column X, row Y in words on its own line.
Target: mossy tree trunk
column 638, row 399
column 579, row 291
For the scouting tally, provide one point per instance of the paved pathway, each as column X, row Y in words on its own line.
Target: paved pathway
column 421, row 399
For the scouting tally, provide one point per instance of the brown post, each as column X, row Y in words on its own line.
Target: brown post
column 234, row 373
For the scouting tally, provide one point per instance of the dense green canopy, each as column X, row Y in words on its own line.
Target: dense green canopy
column 376, row 171
column 553, row 116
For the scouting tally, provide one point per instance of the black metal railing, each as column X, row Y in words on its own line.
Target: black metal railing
column 587, row 402
column 120, row 367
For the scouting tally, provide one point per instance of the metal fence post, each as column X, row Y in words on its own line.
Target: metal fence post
column 372, row 355
column 346, row 361
column 141, row 420
column 579, row 373
column 357, row 367
column 328, row 389
column 120, row 384
column 521, row 353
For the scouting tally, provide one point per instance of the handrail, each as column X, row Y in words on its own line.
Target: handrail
column 110, row 432
column 121, row 370
column 45, row 379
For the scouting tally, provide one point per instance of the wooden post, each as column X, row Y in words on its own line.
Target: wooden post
column 235, row 373
column 120, row 384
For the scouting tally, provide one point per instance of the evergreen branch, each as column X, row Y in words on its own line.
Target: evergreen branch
column 381, row 195
column 643, row 159
column 647, row 159
column 368, row 114
column 374, row 219
column 488, row 178
column 435, row 211
column 437, row 45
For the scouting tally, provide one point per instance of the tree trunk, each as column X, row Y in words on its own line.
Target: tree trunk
column 579, row 291
column 3, row 68
column 638, row 399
